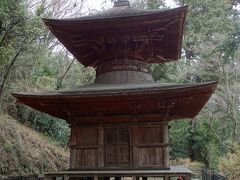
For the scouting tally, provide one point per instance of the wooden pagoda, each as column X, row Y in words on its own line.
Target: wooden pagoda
column 119, row 124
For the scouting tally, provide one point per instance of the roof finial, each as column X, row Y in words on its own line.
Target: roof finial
column 121, row 3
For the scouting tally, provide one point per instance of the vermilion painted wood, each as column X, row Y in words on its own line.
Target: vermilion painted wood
column 123, row 105
column 152, row 36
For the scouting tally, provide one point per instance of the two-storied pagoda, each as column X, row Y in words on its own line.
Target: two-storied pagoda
column 119, row 124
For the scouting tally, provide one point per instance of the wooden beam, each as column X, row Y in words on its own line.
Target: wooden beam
column 152, row 145
column 121, row 116
column 79, row 125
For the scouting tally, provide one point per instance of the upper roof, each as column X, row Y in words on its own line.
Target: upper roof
column 117, row 12
column 153, row 36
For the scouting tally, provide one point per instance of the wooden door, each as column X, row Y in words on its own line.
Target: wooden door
column 117, row 147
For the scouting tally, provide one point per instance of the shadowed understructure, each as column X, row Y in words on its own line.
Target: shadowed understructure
column 119, row 124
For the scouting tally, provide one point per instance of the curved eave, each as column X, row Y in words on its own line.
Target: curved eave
column 184, row 102
column 79, row 35
column 115, row 17
column 96, row 90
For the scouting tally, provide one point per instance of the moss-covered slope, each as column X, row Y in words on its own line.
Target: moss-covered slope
column 24, row 151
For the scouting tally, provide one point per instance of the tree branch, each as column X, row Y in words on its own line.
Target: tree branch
column 217, row 137
column 59, row 84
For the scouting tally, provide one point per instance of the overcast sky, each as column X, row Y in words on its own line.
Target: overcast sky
column 96, row 4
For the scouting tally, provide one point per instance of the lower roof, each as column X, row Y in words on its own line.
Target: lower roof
column 122, row 101
column 99, row 89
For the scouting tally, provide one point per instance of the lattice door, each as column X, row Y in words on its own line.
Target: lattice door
column 117, row 147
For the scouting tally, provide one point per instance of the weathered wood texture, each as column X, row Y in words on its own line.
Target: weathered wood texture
column 132, row 146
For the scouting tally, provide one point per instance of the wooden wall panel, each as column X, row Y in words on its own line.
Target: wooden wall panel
column 100, row 147
column 150, row 135
column 138, row 146
column 135, row 149
column 147, row 146
column 150, row 156
column 87, row 137
column 91, row 158
column 124, row 155
column 79, row 155
column 72, row 158
column 84, row 137
column 86, row 158
column 84, row 148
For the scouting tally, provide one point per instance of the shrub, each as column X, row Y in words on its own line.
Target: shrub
column 230, row 165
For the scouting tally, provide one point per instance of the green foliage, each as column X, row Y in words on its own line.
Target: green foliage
column 165, row 73
column 156, row 4
column 42, row 64
column 204, row 145
column 194, row 139
column 178, row 139
column 229, row 48
column 230, row 164
column 210, row 52
column 55, row 128
column 19, row 31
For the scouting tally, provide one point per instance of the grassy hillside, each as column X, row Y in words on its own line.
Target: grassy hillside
column 24, row 151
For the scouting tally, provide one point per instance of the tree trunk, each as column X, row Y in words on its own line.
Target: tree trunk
column 191, row 143
column 5, row 77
